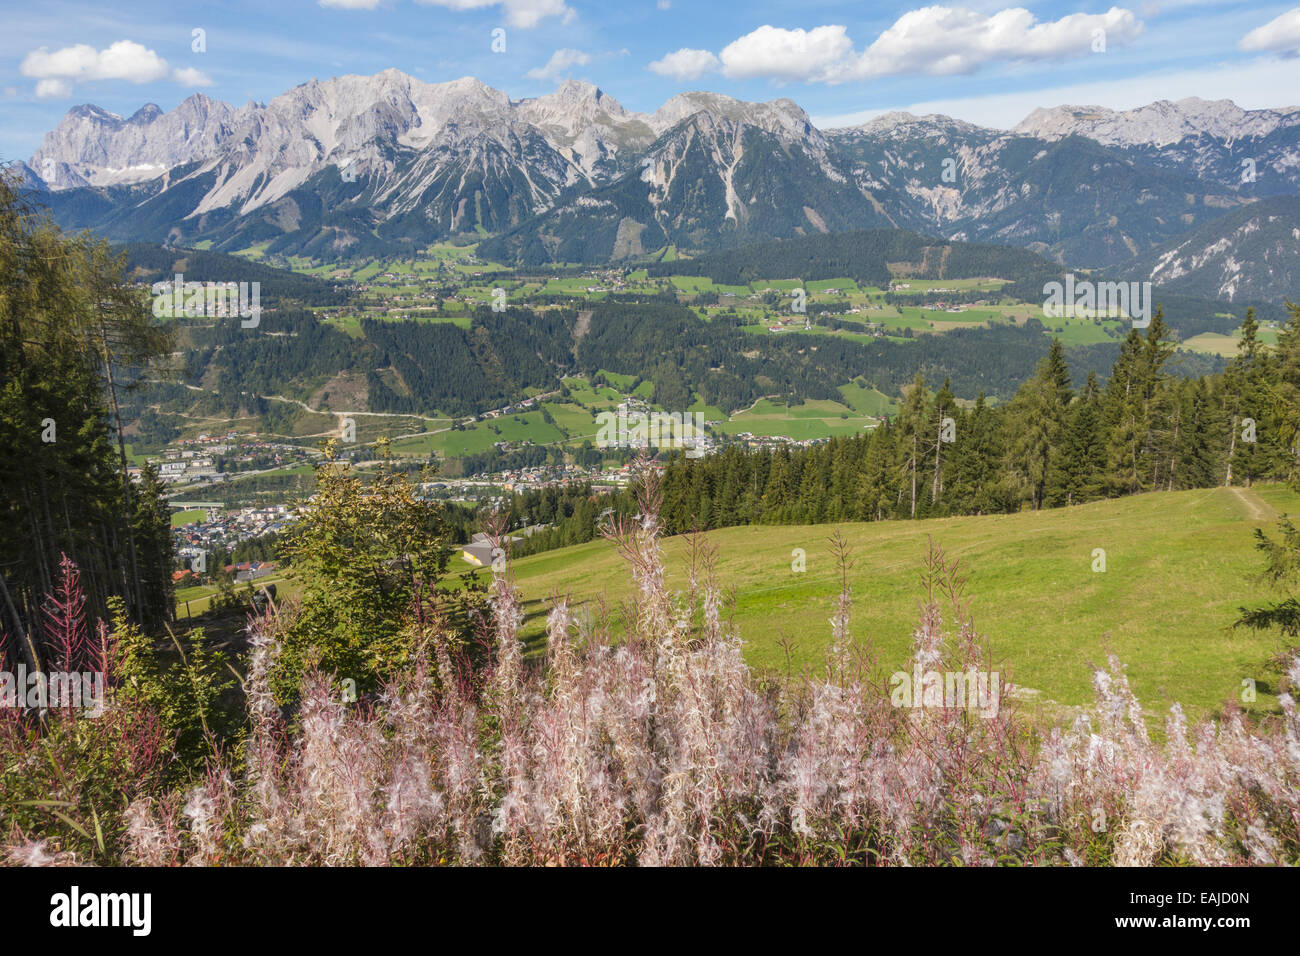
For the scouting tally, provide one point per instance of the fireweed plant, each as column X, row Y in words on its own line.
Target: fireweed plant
column 652, row 743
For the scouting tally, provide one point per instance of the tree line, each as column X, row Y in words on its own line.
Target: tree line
column 1051, row 445
column 74, row 339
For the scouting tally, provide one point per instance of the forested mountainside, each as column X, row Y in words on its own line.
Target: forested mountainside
column 420, row 367
column 1054, row 444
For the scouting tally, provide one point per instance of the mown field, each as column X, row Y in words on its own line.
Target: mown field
column 1227, row 346
column 1178, row 565
column 812, row 419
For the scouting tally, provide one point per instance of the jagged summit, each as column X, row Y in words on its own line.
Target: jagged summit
column 324, row 121
column 91, row 111
column 390, row 161
column 146, row 114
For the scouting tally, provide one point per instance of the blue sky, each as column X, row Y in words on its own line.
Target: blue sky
column 988, row 62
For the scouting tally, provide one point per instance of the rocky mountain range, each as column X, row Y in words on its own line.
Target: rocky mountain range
column 384, row 163
column 1159, row 124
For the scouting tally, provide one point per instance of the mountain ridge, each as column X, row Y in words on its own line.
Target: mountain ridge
column 1154, row 124
column 389, row 162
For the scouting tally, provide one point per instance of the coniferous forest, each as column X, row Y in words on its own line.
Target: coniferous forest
column 73, row 342
column 1143, row 428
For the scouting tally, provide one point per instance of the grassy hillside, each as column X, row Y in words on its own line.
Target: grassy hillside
column 1177, row 567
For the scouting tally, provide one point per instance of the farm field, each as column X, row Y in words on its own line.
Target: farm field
column 812, row 419
column 481, row 436
column 1215, row 343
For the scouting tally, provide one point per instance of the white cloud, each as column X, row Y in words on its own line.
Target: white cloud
column 812, row 55
column 123, row 60
column 561, row 62
column 1279, row 35
column 685, row 64
column 664, row 4
column 528, row 13
column 933, row 40
column 53, row 89
column 56, row 73
column 950, row 40
column 189, row 76
column 519, row 13
column 349, row 4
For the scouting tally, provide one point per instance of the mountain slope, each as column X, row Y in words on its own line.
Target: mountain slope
column 1166, row 534
column 1255, row 153
column 1250, row 253
column 1157, row 124
column 93, row 147
column 366, row 165
column 1071, row 198
column 457, row 156
column 712, row 180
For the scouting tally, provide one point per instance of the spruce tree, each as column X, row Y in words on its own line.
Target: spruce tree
column 1077, row 469
column 1038, row 413
column 912, row 442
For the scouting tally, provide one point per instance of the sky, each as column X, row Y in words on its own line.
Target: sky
column 985, row 62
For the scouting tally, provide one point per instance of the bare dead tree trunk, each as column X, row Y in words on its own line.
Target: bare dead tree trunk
column 134, row 592
column 25, row 643
column 1173, row 452
column 914, row 442
column 1232, row 450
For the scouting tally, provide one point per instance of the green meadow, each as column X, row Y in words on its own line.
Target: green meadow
column 1178, row 565
column 812, row 419
column 1227, row 346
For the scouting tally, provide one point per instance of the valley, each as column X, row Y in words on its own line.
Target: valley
column 872, row 439
column 882, row 328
